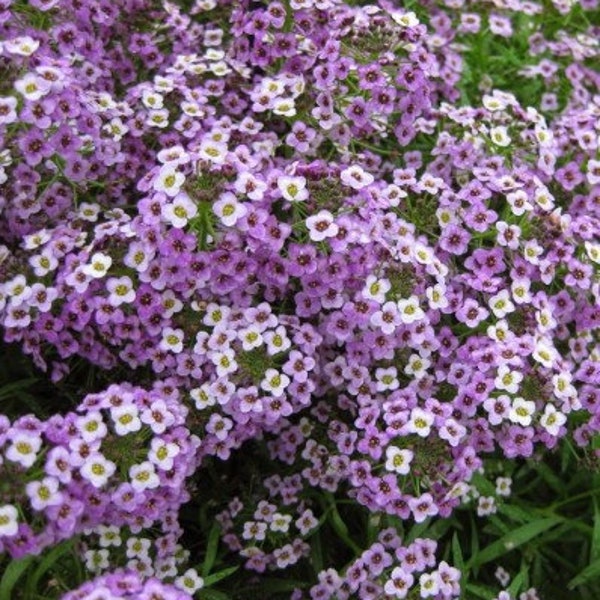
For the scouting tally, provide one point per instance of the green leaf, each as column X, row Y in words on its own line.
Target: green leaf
column 479, row 591
column 457, row 555
column 517, row 584
column 513, row 540
column 213, row 595
column 340, row 527
column 548, row 475
column 592, row 571
column 11, row 575
column 316, row 553
column 219, row 575
column 595, row 549
column 459, row 563
column 518, row 514
column 48, row 562
column 211, row 549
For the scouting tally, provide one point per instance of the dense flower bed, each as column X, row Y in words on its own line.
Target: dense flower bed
column 287, row 223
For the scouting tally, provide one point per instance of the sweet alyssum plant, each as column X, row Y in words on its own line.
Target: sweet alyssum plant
column 312, row 226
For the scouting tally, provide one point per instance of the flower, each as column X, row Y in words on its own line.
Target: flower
column 356, row 177
column 98, row 266
column 9, row 524
column 97, row 470
column 321, row 226
column 398, row 460
column 190, row 581
column 143, row 476
column 293, row 189
column 179, row 211
column 228, row 209
column 552, row 419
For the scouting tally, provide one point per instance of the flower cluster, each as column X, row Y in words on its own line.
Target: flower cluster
column 126, row 584
column 290, row 225
column 119, row 461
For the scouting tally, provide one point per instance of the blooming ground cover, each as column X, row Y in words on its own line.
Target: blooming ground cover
column 299, row 299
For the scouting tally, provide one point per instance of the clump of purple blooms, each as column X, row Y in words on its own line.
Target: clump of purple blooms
column 285, row 222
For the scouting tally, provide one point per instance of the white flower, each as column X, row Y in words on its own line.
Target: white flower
column 519, row 202
column 109, row 535
column 521, row 411
column 169, row 180
column 437, row 296
column 251, row 337
column 126, row 419
column 274, row 382
column 417, row 366
column 180, row 211
column 284, row 107
column 552, row 420
column 493, row 103
column 321, row 226
column 420, row 422
column 23, row 46
column 91, row 426
column 397, row 460
column 501, row 304
column 24, row 449
column 545, row 353
column 96, row 560
column 486, row 505
column 429, row 584
column 224, row 361
column 9, row 524
column 408, row 19
column 228, row 209
column 172, row 340
column 203, row 396
column 138, row 547
column 97, row 470
column 508, row 380
column 190, row 582
column 293, row 189
column 212, row 151
column 387, row 379
column 162, row 453
column 254, row 530
column 503, row 485
column 143, row 476
column 280, row 522
column 277, row 341
column 376, row 288
column 410, row 310
column 121, row 291
column 356, row 177
column 500, row 136
column 98, row 266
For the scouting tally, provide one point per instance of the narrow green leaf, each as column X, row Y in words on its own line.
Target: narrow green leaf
column 595, row 549
column 479, row 591
column 550, row 477
column 591, row 572
column 459, row 563
column 47, row 563
column 517, row 584
column 213, row 595
column 211, row 549
column 11, row 575
column 316, row 553
column 518, row 514
column 457, row 555
column 340, row 527
column 513, row 540
column 219, row 575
